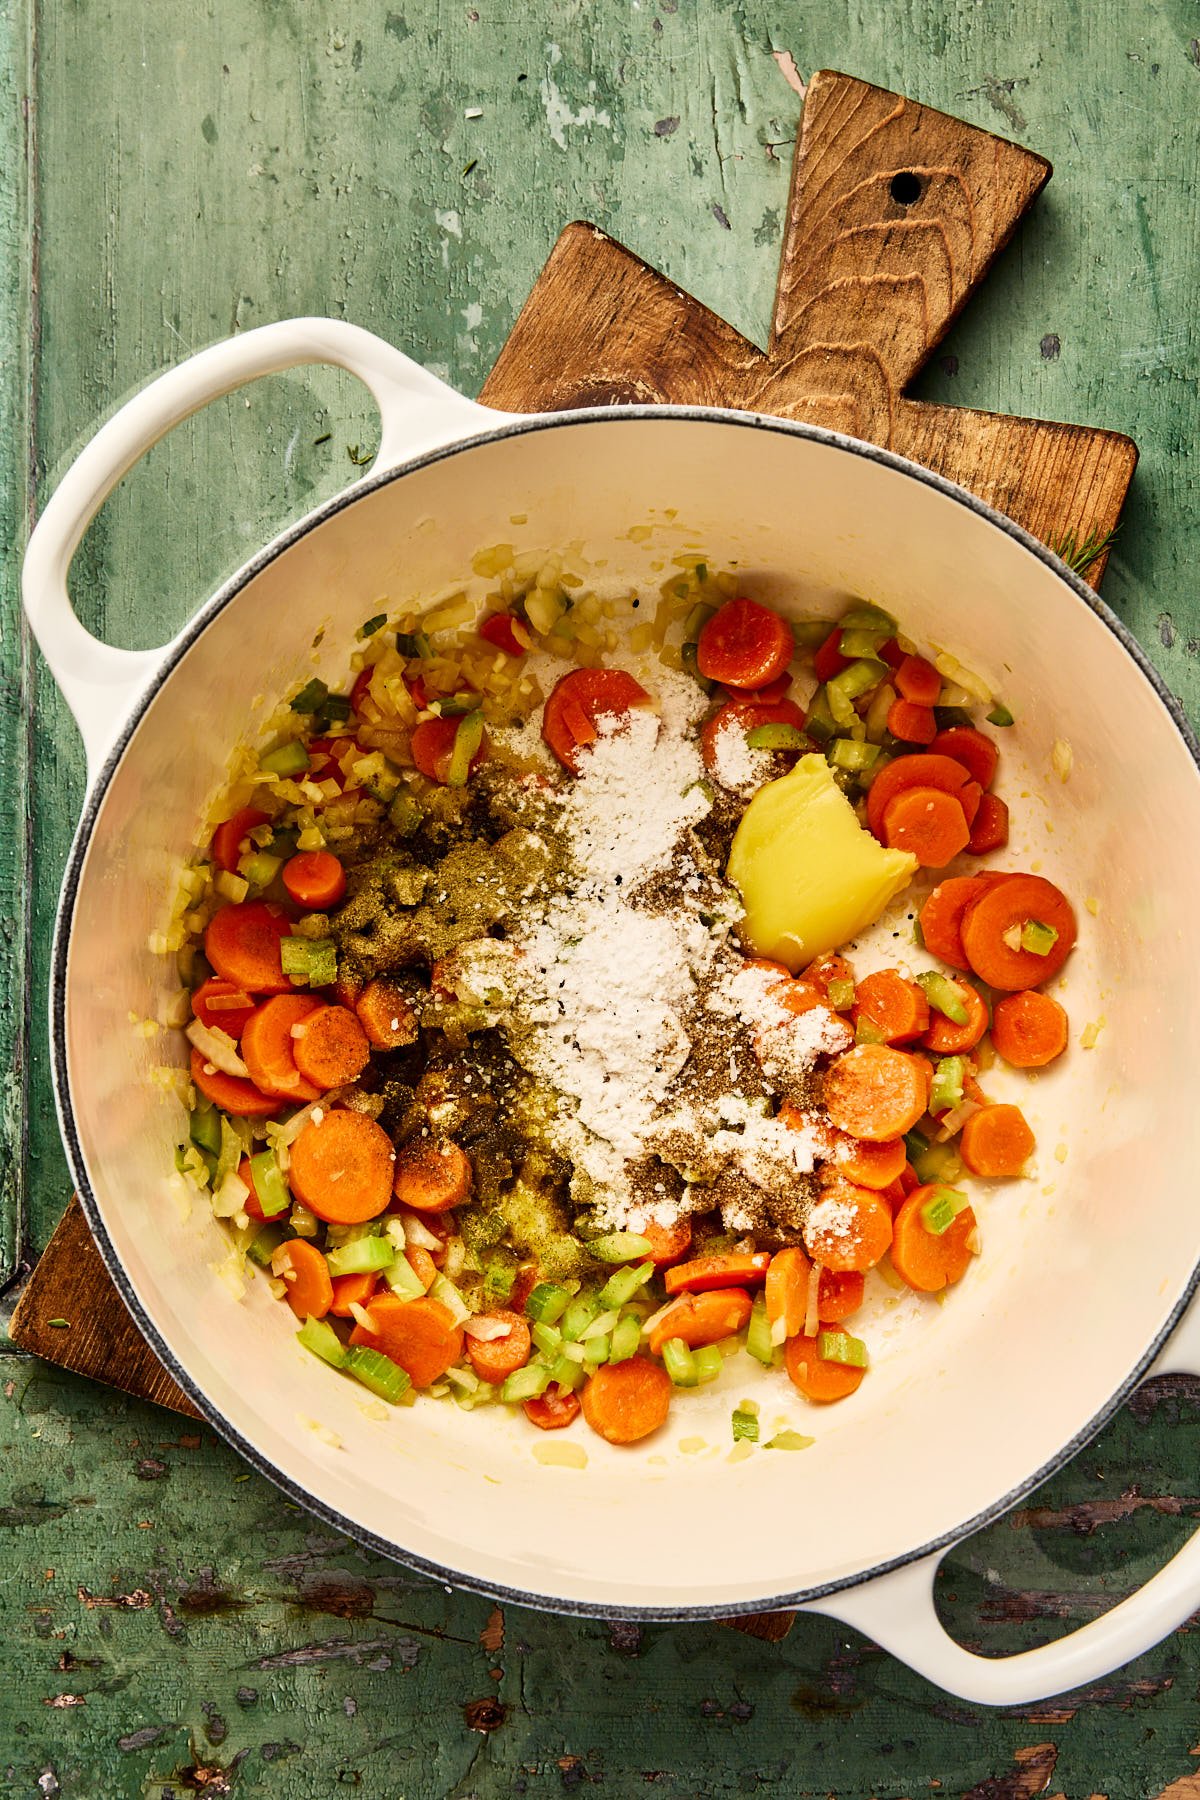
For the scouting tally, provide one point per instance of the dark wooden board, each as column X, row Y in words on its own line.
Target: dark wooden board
column 896, row 214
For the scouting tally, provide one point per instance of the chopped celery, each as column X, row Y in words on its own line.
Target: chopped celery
column 691, row 666
column 548, row 1302
column 404, row 815
column 820, row 723
column 840, row 1347
column 679, row 1363
column 413, row 643
column 205, row 1129
column 547, row 1338
column 858, row 642
column 403, row 1279
column 789, row 1440
column 944, row 996
column 840, row 994
column 323, row 1341
column 369, row 627
column 865, row 616
column 867, row 776
column 362, row 1257
column 776, row 737
column 464, row 702
column 620, row 1247
column 312, row 960
column 595, row 1351
column 624, row 1283
column 842, row 690
column 810, row 634
column 1000, row 715
column 259, row 868
column 745, row 1422
column 230, row 1154
column 848, row 753
column 915, row 1145
column 708, row 1362
column 758, row 1334
column 941, row 1209
column 882, row 701
column 265, row 1243
column 697, row 619
column 947, row 1090
column 271, row 1189
column 568, row 1374
column 579, row 1315
column 524, row 1384
column 311, row 698
column 626, row 1337
column 937, row 1162
column 287, row 759
column 865, row 1032
column 336, row 710
column 377, row 1372
column 1037, row 938
column 467, row 740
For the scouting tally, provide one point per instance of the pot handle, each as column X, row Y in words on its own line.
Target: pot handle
column 99, row 682
column 896, row 1610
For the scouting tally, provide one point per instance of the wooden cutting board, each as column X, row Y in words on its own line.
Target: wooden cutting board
column 895, row 215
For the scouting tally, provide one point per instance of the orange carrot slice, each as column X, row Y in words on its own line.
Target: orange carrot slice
column 910, row 723
column 330, row 1047
column 917, row 680
column 341, row 1168
column 553, row 1410
column 875, row 1092
column 385, row 1015
column 990, row 830
column 493, row 1359
column 942, row 915
column 996, row 1141
column 973, row 749
column 925, row 1261
column 895, row 1008
column 815, row 1377
column 624, row 1402
column 922, row 770
column 869, row 1165
column 232, row 1093
column 701, row 1319
column 242, row 944
column 1029, row 1029
column 267, row 1047
column 315, row 879
column 994, row 922
column 577, row 701
column 741, row 1268
column 228, row 837
column 945, row 1038
column 745, row 644
column 420, row 1335
column 668, row 1242
column 222, row 1005
column 928, row 823
column 432, row 1174
column 350, row 1291
column 306, row 1277
column 849, row 1227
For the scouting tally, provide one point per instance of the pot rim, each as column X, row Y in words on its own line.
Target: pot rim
column 223, row 597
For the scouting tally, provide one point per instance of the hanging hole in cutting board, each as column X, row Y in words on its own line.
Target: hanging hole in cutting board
column 906, row 188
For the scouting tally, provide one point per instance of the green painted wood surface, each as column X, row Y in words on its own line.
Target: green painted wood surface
column 167, row 1624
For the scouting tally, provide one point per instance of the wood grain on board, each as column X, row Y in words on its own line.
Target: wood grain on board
column 895, row 216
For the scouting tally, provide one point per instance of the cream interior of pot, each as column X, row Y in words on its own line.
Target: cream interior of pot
column 1082, row 1263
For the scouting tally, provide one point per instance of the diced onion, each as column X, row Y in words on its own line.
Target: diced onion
column 1062, row 759
column 811, row 1315
column 779, row 1331
column 456, row 1257
column 487, row 1330
column 417, row 1234
column 463, row 1378
column 361, row 1316
column 953, row 1121
column 218, row 1048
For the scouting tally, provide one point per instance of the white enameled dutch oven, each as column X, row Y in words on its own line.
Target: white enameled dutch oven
column 1087, row 1271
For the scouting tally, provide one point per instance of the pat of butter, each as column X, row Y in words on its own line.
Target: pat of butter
column 810, row 877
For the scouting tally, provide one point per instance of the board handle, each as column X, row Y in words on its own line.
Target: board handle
column 897, row 1610
column 101, row 683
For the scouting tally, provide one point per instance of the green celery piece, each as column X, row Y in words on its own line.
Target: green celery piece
column 858, row 642
column 820, row 723
column 369, row 627
column 413, row 643
column 578, row 1316
column 941, row 1209
column 260, row 868
column 745, row 1425
column 867, row 1033
column 790, row 1440
column 205, row 1129
column 467, row 740
column 274, row 1196
column 625, row 1339
column 323, row 1341
column 400, row 1276
column 758, row 1334
column 548, row 1302
column 363, row 1257
column 620, row 1247
column 865, row 616
column 937, row 1162
column 849, row 753
column 840, row 1347
column 1037, row 938
column 1000, row 715
column 286, row 759
column 915, row 1145
column 595, row 1351
column 776, row 737
column 691, row 665
column 377, row 1372
column 624, row 1283
column 265, row 1243
column 498, row 1279
column 546, row 1338
column 679, row 1363
column 312, row 697
column 526, row 1383
column 708, row 1361
column 840, row 994
column 697, row 619
column 810, row 634
column 947, row 1090
column 465, row 702
column 568, row 1374
column 944, row 996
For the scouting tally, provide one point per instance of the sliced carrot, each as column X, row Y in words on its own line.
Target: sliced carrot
column 315, row 879
column 945, row 1038
column 432, row 1174
column 1029, row 1029
column 432, row 746
column 493, row 1359
column 839, row 1294
column 920, row 770
column 227, row 839
column 668, row 1242
column 701, row 1319
column 361, row 702
column 501, row 629
column 875, row 1092
column 990, row 830
column 222, row 1005
column 942, row 915
column 330, row 1047
column 420, row 1335
column 352, row 1290
column 849, row 1227
column 242, row 944
column 910, row 723
column 743, row 716
column 926, row 1261
column 918, row 681
column 868, row 1165
column 232, row 1093
column 1000, row 914
column 828, row 660
column 423, row 1266
column 895, row 1008
column 746, row 644
column 739, row 1268
column 626, row 1401
column 341, row 1167
column 554, row 1409
column 578, row 700
column 996, row 1141
column 786, row 1292
column 816, row 1378
column 928, row 823
column 385, row 1015
column 767, row 695
column 973, row 749
column 268, row 1045
column 306, row 1277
